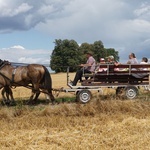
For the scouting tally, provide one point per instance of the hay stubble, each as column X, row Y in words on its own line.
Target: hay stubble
column 100, row 124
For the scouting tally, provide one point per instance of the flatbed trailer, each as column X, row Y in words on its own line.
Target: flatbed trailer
column 126, row 79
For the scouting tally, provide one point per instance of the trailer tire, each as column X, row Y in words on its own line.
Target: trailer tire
column 131, row 92
column 84, row 96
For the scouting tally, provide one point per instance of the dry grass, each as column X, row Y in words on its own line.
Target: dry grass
column 104, row 123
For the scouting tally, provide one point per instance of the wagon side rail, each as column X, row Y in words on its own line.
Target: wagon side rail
column 121, row 74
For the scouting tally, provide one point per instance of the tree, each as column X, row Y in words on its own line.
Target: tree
column 112, row 51
column 64, row 54
column 84, row 47
column 99, row 50
column 69, row 53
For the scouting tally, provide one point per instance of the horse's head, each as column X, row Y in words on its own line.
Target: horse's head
column 4, row 62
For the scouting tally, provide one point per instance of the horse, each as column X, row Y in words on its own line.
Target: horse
column 30, row 76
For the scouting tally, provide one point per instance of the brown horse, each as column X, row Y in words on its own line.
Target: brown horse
column 31, row 76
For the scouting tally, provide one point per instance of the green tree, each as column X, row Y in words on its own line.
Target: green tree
column 84, row 47
column 98, row 49
column 69, row 53
column 64, row 54
column 112, row 51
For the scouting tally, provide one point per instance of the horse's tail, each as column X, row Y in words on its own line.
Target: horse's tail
column 47, row 80
column 48, row 84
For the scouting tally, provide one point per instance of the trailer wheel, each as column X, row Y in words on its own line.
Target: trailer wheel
column 131, row 92
column 84, row 96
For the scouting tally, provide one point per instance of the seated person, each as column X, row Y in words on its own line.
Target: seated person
column 100, row 67
column 132, row 59
column 89, row 67
column 144, row 61
column 110, row 60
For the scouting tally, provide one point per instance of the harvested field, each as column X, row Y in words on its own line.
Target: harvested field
column 104, row 123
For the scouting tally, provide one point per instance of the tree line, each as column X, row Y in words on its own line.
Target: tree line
column 70, row 53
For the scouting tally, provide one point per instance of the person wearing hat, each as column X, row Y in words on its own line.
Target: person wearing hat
column 88, row 67
column 100, row 68
column 102, row 60
column 111, row 60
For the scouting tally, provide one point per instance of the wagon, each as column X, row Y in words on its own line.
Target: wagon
column 126, row 79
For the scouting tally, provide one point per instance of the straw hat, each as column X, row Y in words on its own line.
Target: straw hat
column 89, row 52
column 110, row 57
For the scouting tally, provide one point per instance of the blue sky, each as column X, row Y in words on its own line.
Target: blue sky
column 30, row 39
column 28, row 28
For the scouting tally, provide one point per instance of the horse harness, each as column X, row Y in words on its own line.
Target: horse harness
column 2, row 64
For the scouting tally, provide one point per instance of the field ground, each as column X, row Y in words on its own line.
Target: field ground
column 106, row 123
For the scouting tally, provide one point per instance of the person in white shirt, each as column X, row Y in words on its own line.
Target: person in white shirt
column 132, row 59
column 144, row 61
column 100, row 67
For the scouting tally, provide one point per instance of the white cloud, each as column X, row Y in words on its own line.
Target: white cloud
column 17, row 47
column 117, row 23
column 19, row 54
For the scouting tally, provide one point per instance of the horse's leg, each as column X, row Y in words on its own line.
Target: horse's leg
column 6, row 91
column 3, row 95
column 48, row 95
column 9, row 93
column 36, row 95
column 51, row 97
column 35, row 92
column 11, row 96
column 45, row 93
column 32, row 94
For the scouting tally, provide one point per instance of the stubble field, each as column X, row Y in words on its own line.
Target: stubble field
column 105, row 123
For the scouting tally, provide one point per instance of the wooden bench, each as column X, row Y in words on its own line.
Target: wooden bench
column 137, row 74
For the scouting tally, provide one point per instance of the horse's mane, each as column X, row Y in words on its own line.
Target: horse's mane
column 4, row 62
